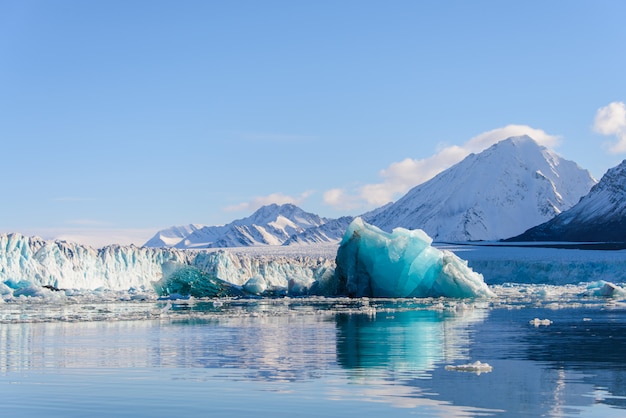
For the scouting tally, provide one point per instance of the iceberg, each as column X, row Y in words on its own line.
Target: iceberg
column 374, row 263
column 605, row 289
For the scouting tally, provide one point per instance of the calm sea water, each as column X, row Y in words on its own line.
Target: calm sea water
column 299, row 358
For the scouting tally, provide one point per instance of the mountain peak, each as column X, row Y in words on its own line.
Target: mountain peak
column 511, row 186
column 521, row 139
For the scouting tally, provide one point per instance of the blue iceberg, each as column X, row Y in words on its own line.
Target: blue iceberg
column 374, row 263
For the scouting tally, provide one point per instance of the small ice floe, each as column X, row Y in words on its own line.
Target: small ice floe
column 604, row 289
column 475, row 367
column 539, row 322
column 175, row 296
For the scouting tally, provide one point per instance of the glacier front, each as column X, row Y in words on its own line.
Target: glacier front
column 374, row 263
column 37, row 267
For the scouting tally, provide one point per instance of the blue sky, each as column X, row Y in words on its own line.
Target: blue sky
column 119, row 118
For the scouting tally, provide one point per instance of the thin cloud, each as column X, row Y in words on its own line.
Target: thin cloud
column 259, row 201
column 401, row 176
column 611, row 121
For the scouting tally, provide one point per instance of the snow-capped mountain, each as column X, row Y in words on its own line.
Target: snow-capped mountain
column 600, row 216
column 270, row 225
column 500, row 192
column 331, row 231
column 171, row 236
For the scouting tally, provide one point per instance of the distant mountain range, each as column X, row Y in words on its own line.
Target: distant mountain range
column 498, row 193
column 270, row 225
column 600, row 216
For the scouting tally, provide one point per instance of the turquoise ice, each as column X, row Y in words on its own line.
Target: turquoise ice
column 374, row 263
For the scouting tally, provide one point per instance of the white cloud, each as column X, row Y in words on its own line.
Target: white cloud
column 611, row 120
column 338, row 199
column 401, row 176
column 260, row 201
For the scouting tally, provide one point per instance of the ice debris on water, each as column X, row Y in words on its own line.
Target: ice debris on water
column 475, row 367
column 539, row 322
column 374, row 263
column 605, row 289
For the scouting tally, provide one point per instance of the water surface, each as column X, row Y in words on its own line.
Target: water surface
column 308, row 357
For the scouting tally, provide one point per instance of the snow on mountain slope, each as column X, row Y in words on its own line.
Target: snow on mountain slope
column 500, row 192
column 600, row 216
column 330, row 232
column 171, row 236
column 269, row 225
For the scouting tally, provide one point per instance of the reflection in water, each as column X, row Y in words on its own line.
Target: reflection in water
column 278, row 348
column 592, row 343
column 384, row 356
column 408, row 341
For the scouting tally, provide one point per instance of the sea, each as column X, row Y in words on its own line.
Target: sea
column 534, row 350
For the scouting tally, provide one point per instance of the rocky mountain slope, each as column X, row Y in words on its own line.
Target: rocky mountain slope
column 600, row 216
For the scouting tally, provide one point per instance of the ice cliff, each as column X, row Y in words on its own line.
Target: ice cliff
column 31, row 261
column 27, row 265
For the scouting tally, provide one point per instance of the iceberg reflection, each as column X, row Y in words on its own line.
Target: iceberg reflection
column 405, row 341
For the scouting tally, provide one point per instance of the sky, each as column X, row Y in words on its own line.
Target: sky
column 121, row 118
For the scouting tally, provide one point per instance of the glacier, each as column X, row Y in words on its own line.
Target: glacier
column 374, row 263
column 31, row 266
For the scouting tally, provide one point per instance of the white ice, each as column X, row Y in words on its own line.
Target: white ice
column 476, row 367
column 28, row 264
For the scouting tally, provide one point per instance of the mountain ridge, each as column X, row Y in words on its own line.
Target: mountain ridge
column 599, row 216
column 269, row 225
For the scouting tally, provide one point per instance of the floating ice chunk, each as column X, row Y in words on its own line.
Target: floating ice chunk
column 475, row 367
column 538, row 322
column 605, row 289
column 255, row 285
column 374, row 263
